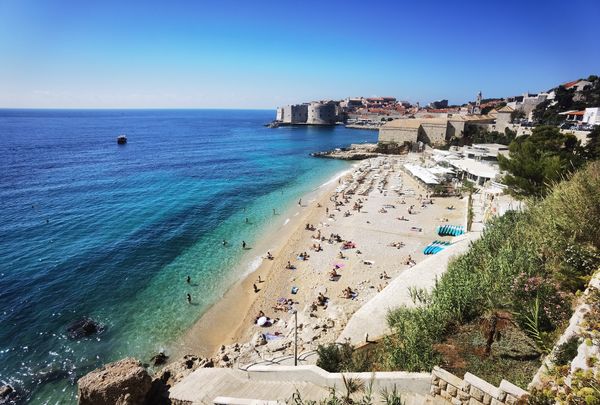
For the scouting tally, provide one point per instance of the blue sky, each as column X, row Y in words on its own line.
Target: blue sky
column 260, row 54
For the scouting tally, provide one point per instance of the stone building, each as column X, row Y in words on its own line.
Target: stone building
column 431, row 131
column 503, row 118
column 293, row 114
column 322, row 113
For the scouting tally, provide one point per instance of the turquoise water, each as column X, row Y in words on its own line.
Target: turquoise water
column 90, row 228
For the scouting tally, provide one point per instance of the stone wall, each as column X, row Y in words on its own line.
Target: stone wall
column 433, row 133
column 398, row 135
column 472, row 390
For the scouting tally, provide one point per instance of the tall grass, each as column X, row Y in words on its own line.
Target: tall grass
column 524, row 260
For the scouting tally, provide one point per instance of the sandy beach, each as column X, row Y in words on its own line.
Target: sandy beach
column 394, row 210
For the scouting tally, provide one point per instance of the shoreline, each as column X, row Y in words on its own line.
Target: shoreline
column 230, row 320
column 209, row 332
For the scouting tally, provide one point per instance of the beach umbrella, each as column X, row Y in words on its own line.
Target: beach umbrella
column 262, row 321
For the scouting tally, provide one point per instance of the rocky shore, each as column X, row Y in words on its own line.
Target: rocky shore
column 354, row 152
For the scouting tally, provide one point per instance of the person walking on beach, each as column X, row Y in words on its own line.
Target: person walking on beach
column 255, row 288
column 189, row 298
column 189, row 280
column 300, row 202
column 243, row 244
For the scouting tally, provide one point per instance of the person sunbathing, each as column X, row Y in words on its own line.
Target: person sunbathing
column 321, row 300
column 333, row 275
column 402, row 218
column 289, row 266
column 270, row 256
column 341, row 256
column 384, row 276
column 348, row 293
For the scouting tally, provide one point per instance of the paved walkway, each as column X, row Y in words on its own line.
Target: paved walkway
column 206, row 384
column 279, row 383
column 371, row 317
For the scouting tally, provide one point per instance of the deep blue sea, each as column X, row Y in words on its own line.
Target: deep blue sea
column 91, row 228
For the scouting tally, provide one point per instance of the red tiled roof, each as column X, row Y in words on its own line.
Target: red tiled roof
column 570, row 84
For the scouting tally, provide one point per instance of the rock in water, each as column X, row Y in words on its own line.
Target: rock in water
column 7, row 394
column 124, row 382
column 159, row 359
column 83, row 327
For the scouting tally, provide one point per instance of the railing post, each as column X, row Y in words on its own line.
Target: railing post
column 295, row 337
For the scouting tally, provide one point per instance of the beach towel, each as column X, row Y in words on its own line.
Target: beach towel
column 271, row 336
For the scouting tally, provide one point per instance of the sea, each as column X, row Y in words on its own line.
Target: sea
column 90, row 228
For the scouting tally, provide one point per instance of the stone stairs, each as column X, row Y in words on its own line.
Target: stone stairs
column 418, row 399
column 277, row 384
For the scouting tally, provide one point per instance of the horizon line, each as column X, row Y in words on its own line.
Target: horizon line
column 137, row 108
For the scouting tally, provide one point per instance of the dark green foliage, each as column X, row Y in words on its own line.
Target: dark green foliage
column 335, row 358
column 517, row 115
column 566, row 352
column 592, row 146
column 538, row 160
column 474, row 134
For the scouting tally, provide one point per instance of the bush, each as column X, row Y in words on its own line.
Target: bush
column 335, row 358
column 566, row 351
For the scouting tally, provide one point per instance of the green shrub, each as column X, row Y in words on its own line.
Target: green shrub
column 335, row 358
column 566, row 351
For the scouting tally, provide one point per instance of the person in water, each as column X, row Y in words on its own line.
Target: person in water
column 243, row 244
column 189, row 279
column 224, row 242
column 189, row 298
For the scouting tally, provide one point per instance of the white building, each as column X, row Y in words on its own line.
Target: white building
column 591, row 116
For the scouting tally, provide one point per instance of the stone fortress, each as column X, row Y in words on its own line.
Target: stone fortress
column 313, row 113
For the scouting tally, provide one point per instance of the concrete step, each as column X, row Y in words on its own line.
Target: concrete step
column 418, row 399
column 205, row 385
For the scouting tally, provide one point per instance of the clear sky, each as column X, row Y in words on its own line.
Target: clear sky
column 260, row 54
